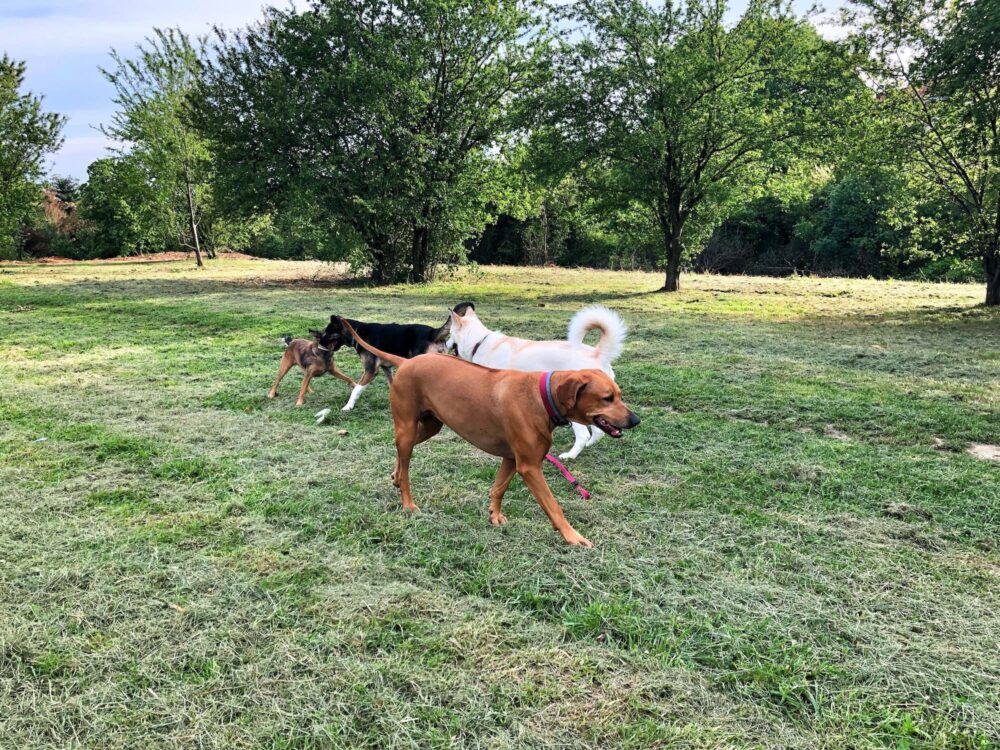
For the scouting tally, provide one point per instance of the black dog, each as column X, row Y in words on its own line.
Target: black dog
column 402, row 340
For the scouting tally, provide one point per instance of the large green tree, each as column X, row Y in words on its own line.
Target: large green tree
column 682, row 109
column 27, row 134
column 153, row 91
column 936, row 67
column 380, row 115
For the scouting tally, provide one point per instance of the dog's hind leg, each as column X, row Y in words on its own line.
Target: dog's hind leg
column 287, row 363
column 581, row 434
column 387, row 369
column 427, row 427
column 531, row 473
column 506, row 472
column 408, row 434
column 366, row 378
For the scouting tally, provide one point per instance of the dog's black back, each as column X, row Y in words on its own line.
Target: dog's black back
column 409, row 340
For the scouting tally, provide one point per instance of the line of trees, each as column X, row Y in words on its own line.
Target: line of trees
column 402, row 136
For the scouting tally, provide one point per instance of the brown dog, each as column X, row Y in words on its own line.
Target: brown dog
column 508, row 413
column 315, row 357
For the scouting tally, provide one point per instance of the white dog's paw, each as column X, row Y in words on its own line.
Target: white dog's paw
column 347, row 408
column 566, row 456
column 321, row 415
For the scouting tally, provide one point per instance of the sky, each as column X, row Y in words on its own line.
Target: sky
column 64, row 41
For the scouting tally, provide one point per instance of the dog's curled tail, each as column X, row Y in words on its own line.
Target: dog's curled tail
column 286, row 340
column 608, row 322
column 384, row 356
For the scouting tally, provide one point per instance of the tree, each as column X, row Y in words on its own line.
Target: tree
column 27, row 134
column 66, row 189
column 119, row 204
column 154, row 95
column 682, row 110
column 936, row 68
column 380, row 115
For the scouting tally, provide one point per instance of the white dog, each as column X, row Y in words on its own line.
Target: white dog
column 477, row 343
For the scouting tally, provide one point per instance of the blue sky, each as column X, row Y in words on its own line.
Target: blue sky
column 64, row 41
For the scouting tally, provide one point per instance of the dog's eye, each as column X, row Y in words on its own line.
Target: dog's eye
column 610, row 398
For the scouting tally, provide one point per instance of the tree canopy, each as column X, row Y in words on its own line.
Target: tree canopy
column 380, row 115
column 27, row 135
column 936, row 68
column 682, row 110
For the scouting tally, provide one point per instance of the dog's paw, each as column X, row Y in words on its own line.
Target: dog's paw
column 497, row 519
column 347, row 408
column 321, row 415
column 574, row 537
column 567, row 456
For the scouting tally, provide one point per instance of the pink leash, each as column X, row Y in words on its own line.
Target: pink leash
column 569, row 477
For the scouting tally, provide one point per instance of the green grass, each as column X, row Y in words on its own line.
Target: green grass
column 793, row 550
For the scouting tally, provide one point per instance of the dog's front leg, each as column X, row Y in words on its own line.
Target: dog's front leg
column 531, row 473
column 338, row 374
column 581, row 434
column 305, row 388
column 366, row 378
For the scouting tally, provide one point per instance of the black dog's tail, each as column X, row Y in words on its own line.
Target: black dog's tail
column 287, row 340
column 384, row 356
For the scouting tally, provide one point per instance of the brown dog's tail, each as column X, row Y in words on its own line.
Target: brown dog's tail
column 384, row 356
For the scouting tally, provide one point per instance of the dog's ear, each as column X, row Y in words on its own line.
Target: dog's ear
column 441, row 334
column 315, row 334
column 569, row 389
column 463, row 307
column 454, row 320
column 335, row 319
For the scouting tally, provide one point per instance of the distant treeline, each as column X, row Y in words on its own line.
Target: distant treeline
column 610, row 133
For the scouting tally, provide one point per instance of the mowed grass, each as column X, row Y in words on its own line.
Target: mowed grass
column 794, row 549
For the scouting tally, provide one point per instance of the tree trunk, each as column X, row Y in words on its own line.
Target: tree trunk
column 671, row 221
column 992, row 265
column 672, row 283
column 380, row 259
column 191, row 218
column 419, row 255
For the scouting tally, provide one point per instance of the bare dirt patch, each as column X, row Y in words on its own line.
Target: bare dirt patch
column 984, row 451
column 833, row 432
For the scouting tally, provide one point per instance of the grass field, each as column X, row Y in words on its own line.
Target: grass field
column 794, row 549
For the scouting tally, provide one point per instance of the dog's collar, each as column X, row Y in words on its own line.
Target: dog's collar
column 481, row 342
column 545, row 391
column 322, row 348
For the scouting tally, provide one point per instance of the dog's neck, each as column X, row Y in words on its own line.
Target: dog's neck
column 549, row 400
column 473, row 337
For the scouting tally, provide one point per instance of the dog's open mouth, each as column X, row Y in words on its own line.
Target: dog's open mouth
column 609, row 428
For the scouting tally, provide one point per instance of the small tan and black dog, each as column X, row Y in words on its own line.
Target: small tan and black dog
column 314, row 357
column 509, row 413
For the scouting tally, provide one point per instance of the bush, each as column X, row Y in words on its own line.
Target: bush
column 950, row 269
